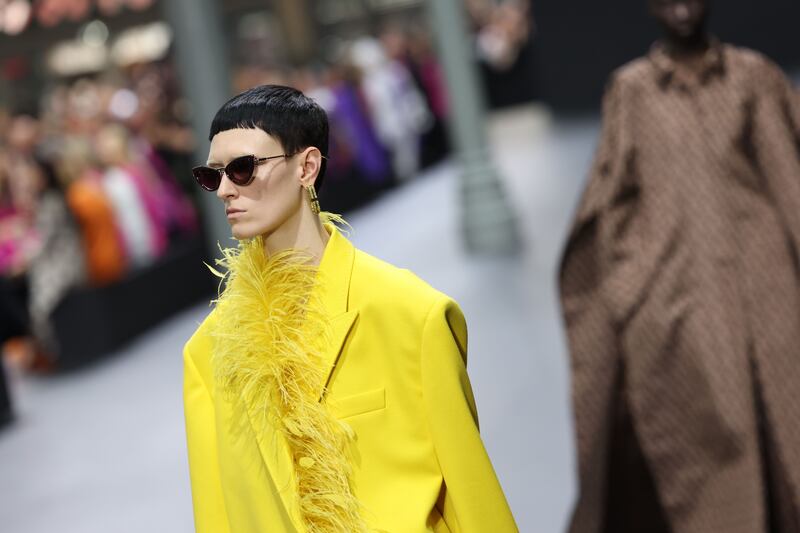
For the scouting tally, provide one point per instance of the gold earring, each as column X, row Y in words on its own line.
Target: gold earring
column 313, row 199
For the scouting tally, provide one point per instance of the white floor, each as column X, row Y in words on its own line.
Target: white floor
column 89, row 453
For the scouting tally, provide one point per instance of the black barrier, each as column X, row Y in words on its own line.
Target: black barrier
column 5, row 399
column 94, row 322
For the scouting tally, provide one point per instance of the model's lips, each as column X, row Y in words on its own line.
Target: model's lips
column 233, row 212
column 684, row 27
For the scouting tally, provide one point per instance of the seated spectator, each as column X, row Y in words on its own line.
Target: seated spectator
column 102, row 242
column 59, row 264
column 137, row 210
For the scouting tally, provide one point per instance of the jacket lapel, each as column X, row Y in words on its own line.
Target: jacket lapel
column 335, row 271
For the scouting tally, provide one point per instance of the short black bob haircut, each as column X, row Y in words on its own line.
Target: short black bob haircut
column 285, row 113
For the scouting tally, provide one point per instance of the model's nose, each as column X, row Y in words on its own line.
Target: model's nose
column 681, row 12
column 226, row 188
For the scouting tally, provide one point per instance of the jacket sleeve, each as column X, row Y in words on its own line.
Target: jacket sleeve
column 201, row 436
column 471, row 499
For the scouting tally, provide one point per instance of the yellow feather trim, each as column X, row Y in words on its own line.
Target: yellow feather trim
column 270, row 334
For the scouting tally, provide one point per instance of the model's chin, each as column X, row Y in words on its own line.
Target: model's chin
column 687, row 31
column 243, row 232
column 240, row 232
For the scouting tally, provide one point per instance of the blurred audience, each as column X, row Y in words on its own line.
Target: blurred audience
column 502, row 28
column 397, row 108
column 102, row 241
column 96, row 183
column 58, row 264
column 85, row 197
column 387, row 104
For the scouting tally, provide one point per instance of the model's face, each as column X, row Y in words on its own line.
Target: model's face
column 681, row 19
column 274, row 195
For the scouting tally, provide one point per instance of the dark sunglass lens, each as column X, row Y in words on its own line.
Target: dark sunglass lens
column 208, row 178
column 240, row 170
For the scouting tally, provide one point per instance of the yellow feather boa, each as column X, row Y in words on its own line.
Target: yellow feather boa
column 269, row 335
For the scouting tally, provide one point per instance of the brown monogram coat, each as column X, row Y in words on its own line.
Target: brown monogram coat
column 680, row 288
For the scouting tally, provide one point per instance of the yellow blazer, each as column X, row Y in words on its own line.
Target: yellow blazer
column 397, row 376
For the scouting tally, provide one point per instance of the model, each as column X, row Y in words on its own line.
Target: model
column 327, row 390
column 681, row 294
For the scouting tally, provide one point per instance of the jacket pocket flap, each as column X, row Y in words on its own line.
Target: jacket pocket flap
column 358, row 404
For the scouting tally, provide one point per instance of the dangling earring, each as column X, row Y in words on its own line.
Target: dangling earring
column 313, row 199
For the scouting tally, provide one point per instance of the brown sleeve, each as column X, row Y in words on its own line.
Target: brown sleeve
column 595, row 361
column 776, row 144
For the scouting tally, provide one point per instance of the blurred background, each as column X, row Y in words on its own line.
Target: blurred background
column 461, row 136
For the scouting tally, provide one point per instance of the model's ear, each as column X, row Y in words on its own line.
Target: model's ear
column 310, row 164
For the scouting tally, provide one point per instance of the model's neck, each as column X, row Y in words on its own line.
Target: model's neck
column 303, row 231
column 682, row 48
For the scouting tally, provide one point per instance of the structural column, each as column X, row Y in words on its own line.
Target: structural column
column 202, row 63
column 488, row 223
column 298, row 27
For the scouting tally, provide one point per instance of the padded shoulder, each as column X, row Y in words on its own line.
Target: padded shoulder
column 374, row 280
